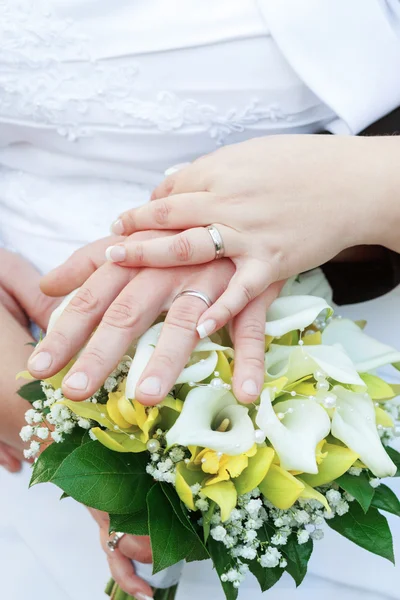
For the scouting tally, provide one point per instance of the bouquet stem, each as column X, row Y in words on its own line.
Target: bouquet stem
column 114, row 591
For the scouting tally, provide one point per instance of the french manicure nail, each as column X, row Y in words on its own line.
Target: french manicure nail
column 250, row 387
column 77, row 381
column 150, row 386
column 41, row 361
column 118, row 227
column 141, row 596
column 115, row 253
column 175, row 168
column 206, row 328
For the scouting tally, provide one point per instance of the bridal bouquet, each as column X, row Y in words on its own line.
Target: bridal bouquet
column 251, row 487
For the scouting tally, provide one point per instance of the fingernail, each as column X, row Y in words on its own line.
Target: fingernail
column 250, row 387
column 118, row 227
column 141, row 596
column 77, row 381
column 115, row 253
column 150, row 386
column 206, row 328
column 175, row 168
column 41, row 361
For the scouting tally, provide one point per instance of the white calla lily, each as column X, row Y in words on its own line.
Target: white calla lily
column 202, row 364
column 206, row 408
column 354, row 424
column 293, row 312
column 294, row 436
column 295, row 362
column 57, row 312
column 365, row 352
column 312, row 283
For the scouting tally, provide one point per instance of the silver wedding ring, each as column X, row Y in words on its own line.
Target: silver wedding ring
column 217, row 241
column 114, row 540
column 196, row 294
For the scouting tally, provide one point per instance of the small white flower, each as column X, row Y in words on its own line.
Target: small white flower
column 57, row 436
column 165, row 465
column 279, row 539
column 271, row 558
column 177, row 454
column 92, row 436
column 34, row 447
column 28, row 454
column 248, row 553
column 202, row 504
column 342, row 508
column 333, row 497
column 84, row 423
column 355, row 471
column 65, row 413
column 218, row 533
column 375, row 482
column 29, row 416
column 302, row 536
column 26, row 433
column 42, row 433
column 317, row 534
column 67, row 426
column 301, row 517
column 38, row 404
column 253, row 507
column 250, row 535
column 283, row 563
column 58, row 395
column 37, row 417
column 195, row 489
column 110, row 384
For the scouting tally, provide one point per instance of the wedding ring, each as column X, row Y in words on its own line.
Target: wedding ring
column 114, row 540
column 196, row 294
column 217, row 241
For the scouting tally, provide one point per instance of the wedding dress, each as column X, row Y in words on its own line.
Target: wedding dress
column 97, row 99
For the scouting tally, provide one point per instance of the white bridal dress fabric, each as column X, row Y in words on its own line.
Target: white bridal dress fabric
column 97, row 99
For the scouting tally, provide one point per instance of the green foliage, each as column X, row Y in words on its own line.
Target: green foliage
column 222, row 563
column 100, row 478
column 395, row 456
column 369, row 530
column 297, row 556
column 51, row 459
column 386, row 499
column 267, row 578
column 134, row 524
column 171, row 540
column 359, row 487
column 32, row 391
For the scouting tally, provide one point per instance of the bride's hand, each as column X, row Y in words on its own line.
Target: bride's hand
column 282, row 205
column 130, row 547
column 123, row 303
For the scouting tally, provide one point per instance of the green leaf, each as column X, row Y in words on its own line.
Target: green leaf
column 222, row 563
column 134, row 524
column 32, row 391
column 267, row 578
column 207, row 520
column 51, row 459
column 297, row 556
column 359, row 487
column 171, row 541
column 63, row 496
column 199, row 551
column 368, row 530
column 386, row 499
column 395, row 456
column 109, row 481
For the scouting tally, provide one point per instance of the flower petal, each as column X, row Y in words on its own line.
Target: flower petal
column 57, row 312
column 118, row 442
column 354, row 424
column 202, row 407
column 224, row 494
column 294, row 437
column 312, row 283
column 290, row 313
column 365, row 352
column 338, row 460
column 281, row 488
column 256, row 470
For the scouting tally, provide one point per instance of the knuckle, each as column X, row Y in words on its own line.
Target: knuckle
column 166, row 359
column 139, row 254
column 123, row 314
column 252, row 329
column 56, row 337
column 95, row 355
column 183, row 318
column 129, row 220
column 182, row 248
column 247, row 291
column 161, row 211
column 256, row 362
column 83, row 303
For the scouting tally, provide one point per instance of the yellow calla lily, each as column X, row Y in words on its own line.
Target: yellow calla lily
column 256, row 470
column 310, row 494
column 337, row 461
column 114, row 412
column 224, row 494
column 127, row 410
column 383, row 418
column 280, row 487
column 88, row 410
column 56, row 380
column 312, row 339
column 185, row 478
column 377, row 388
column 119, row 442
